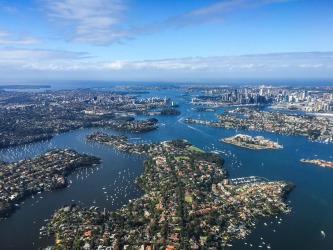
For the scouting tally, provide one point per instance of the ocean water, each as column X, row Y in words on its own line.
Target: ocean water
column 311, row 200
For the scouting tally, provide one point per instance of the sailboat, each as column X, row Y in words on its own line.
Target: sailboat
column 277, row 141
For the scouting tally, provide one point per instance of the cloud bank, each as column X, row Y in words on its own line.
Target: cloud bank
column 14, row 39
column 89, row 21
column 100, row 22
column 318, row 64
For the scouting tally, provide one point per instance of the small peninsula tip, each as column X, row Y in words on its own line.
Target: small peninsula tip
column 247, row 141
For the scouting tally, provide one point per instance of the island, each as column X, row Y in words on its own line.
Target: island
column 170, row 111
column 322, row 163
column 247, row 141
column 204, row 109
column 46, row 172
column 188, row 203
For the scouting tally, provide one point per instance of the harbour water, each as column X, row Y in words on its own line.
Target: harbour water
column 112, row 184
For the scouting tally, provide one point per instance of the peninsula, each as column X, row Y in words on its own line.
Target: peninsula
column 28, row 116
column 322, row 163
column 315, row 128
column 247, row 141
column 188, row 204
column 46, row 172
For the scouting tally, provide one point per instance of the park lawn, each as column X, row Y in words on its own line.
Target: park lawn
column 192, row 148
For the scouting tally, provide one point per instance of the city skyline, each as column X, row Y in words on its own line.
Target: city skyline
column 165, row 40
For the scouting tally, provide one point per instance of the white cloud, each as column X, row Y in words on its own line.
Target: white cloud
column 309, row 66
column 88, row 21
column 116, row 65
column 101, row 22
column 14, row 39
column 315, row 64
column 212, row 13
column 21, row 56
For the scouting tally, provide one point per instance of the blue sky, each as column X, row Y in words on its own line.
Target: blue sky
column 165, row 40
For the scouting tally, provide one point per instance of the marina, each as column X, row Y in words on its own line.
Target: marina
column 247, row 180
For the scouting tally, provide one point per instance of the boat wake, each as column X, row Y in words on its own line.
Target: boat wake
column 201, row 131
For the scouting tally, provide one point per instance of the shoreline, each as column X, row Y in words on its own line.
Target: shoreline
column 319, row 162
column 249, row 142
column 45, row 172
column 183, row 186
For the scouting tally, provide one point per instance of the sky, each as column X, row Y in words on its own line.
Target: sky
column 165, row 40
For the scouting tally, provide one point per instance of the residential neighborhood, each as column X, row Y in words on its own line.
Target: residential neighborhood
column 33, row 116
column 46, row 172
column 313, row 127
column 247, row 141
column 188, row 204
column 319, row 162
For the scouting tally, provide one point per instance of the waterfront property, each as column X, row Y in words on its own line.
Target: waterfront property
column 188, row 203
column 27, row 117
column 314, row 128
column 247, row 141
column 322, row 163
column 46, row 172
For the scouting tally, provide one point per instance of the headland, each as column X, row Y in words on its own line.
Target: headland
column 46, row 172
column 188, row 203
column 322, row 163
column 247, row 141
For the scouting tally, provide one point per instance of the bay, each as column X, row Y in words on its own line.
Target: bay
column 311, row 201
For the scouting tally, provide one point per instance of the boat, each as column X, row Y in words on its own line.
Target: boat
column 323, row 233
